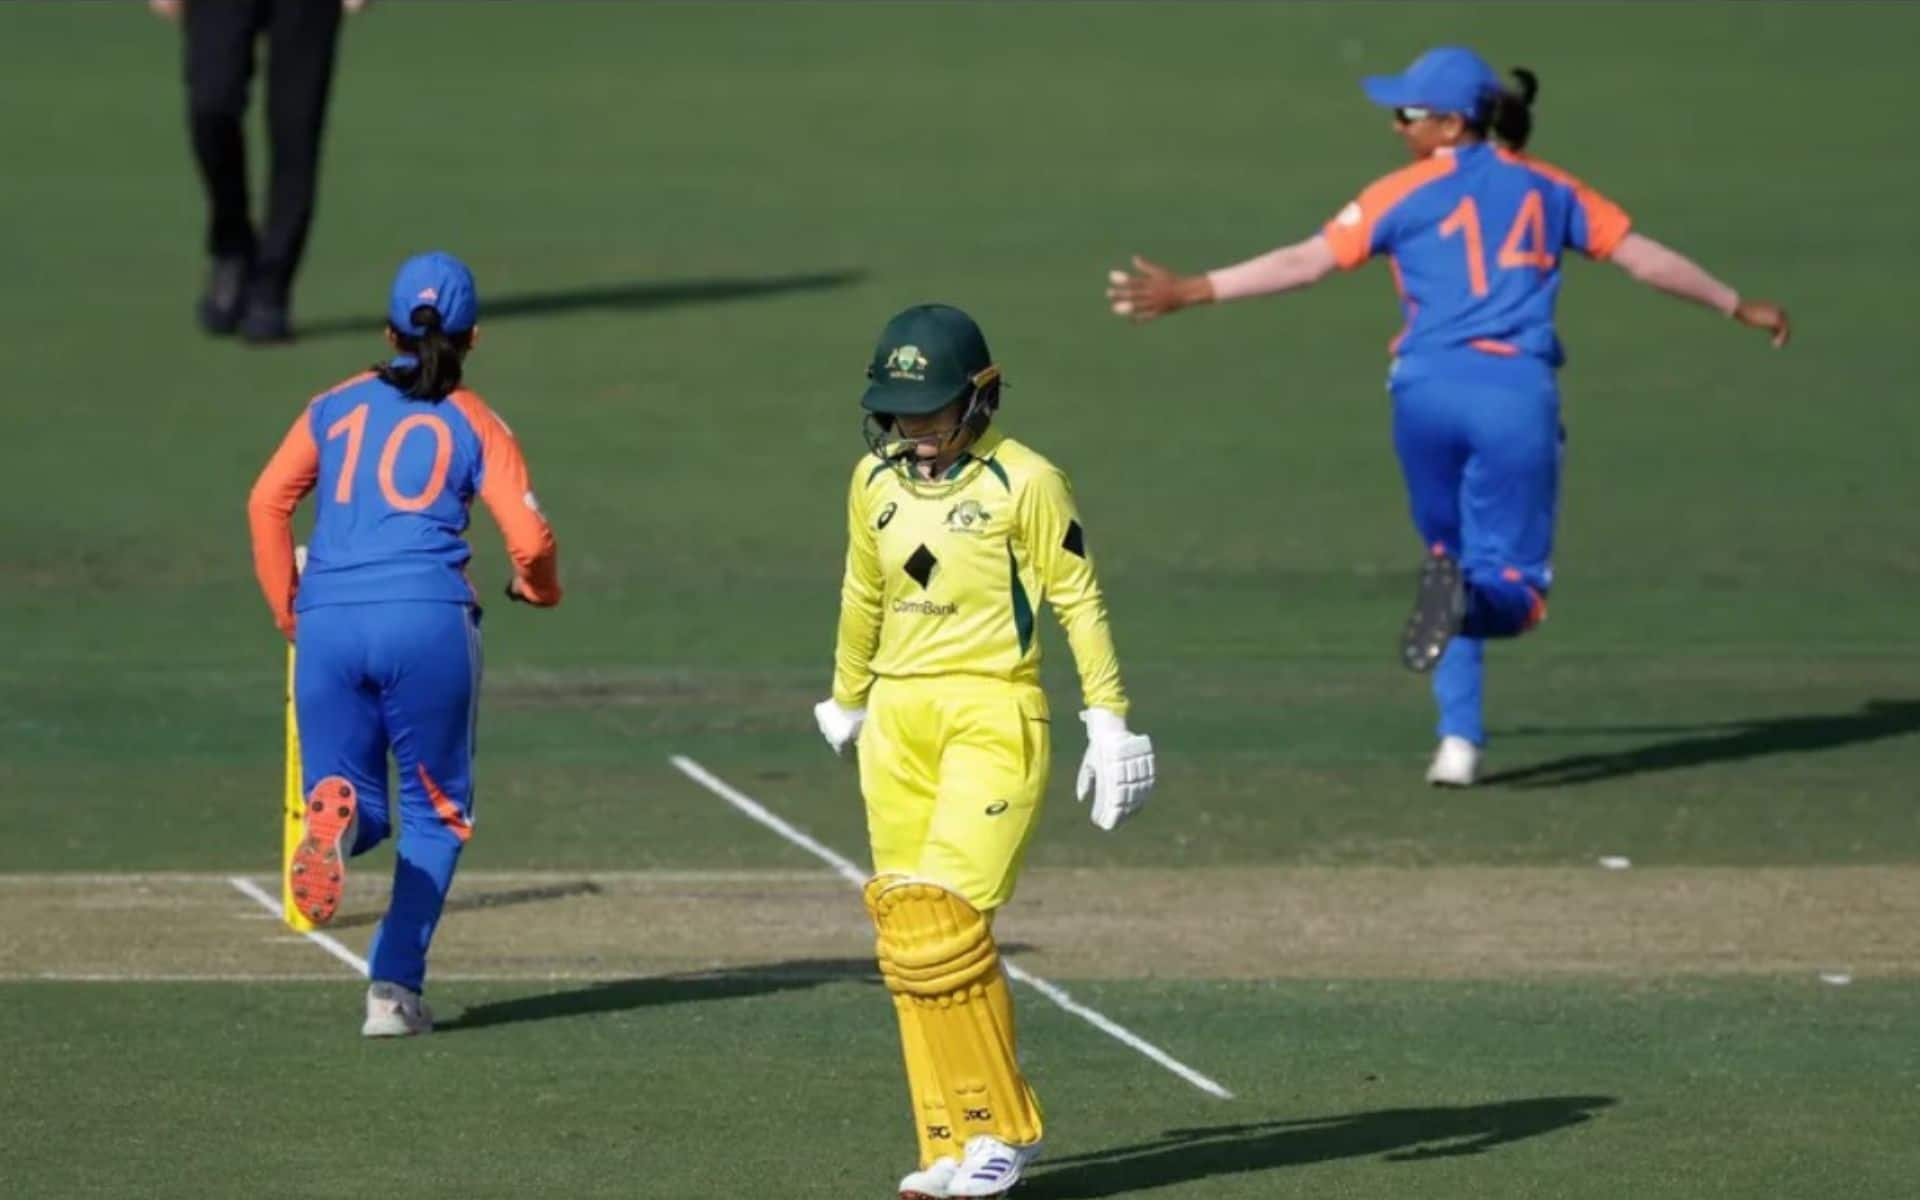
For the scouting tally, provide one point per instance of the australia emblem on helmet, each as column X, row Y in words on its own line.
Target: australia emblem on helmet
column 906, row 362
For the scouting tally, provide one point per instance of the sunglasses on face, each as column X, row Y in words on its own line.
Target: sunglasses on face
column 1411, row 113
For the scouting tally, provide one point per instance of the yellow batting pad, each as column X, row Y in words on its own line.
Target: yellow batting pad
column 931, row 1125
column 938, row 955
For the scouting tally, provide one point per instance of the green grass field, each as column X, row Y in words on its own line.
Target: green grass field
column 688, row 224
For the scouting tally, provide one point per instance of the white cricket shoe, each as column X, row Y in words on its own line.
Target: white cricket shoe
column 991, row 1167
column 1455, row 764
column 931, row 1183
column 393, row 1011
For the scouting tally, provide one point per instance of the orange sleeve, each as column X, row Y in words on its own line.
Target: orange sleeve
column 507, row 490
column 1607, row 223
column 286, row 479
column 1354, row 230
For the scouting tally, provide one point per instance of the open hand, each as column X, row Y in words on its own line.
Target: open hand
column 1152, row 290
column 1764, row 314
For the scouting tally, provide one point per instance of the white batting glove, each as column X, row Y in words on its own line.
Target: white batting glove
column 1117, row 770
column 840, row 726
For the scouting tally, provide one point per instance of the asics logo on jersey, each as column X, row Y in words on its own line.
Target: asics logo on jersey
column 886, row 514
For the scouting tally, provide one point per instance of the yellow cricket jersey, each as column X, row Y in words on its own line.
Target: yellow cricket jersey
column 944, row 576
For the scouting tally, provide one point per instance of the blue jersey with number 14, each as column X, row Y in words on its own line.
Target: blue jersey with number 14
column 1475, row 235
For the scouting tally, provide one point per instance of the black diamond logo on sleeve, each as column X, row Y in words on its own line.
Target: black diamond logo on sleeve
column 1076, row 539
column 920, row 566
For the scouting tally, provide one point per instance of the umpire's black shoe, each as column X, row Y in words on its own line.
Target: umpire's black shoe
column 226, row 295
column 1438, row 609
column 266, row 319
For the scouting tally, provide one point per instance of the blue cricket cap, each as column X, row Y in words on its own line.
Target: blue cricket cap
column 437, row 279
column 1447, row 78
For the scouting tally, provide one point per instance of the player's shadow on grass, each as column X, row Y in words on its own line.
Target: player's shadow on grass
column 615, row 297
column 688, row 987
column 1724, row 741
column 692, row 987
column 1401, row 1135
column 501, row 899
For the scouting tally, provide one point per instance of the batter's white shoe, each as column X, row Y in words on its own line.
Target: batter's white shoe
column 931, row 1183
column 1455, row 764
column 393, row 1011
column 991, row 1167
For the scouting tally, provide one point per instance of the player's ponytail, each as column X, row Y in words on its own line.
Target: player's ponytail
column 437, row 355
column 1510, row 114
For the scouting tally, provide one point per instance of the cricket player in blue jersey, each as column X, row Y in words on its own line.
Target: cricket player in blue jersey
column 1475, row 232
column 384, row 620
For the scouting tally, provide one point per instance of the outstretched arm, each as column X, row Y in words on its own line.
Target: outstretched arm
column 1152, row 290
column 1672, row 272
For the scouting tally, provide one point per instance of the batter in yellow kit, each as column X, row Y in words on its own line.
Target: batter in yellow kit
column 956, row 536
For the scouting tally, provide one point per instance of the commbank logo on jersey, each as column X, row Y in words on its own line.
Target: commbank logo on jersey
column 886, row 514
column 925, row 608
column 968, row 517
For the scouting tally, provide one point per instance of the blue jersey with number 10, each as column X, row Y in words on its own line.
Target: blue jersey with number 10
column 393, row 479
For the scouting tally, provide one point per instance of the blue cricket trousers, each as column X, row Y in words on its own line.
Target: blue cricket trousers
column 404, row 677
column 1479, row 441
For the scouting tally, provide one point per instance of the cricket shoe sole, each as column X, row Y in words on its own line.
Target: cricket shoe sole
column 1439, row 606
column 318, row 872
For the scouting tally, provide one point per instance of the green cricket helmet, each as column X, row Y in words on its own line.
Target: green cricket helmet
column 929, row 356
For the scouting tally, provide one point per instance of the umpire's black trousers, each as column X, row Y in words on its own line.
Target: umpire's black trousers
column 220, row 40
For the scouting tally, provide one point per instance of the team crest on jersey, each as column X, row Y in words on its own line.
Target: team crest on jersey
column 968, row 517
column 906, row 362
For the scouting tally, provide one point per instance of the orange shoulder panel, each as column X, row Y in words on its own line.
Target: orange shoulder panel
column 507, row 489
column 1350, row 233
column 1607, row 223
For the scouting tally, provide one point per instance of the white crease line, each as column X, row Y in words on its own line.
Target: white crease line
column 169, row 977
column 600, row 978
column 845, row 868
column 668, row 875
column 248, row 887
